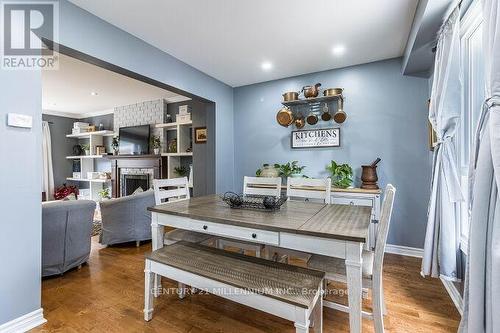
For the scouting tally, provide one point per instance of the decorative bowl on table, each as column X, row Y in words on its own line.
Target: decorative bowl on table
column 259, row 202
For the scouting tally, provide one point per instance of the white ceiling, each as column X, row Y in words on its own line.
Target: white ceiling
column 68, row 91
column 230, row 39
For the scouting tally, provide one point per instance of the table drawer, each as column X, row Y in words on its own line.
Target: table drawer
column 225, row 230
column 352, row 201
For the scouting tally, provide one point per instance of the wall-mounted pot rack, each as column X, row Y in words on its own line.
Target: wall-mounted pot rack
column 300, row 108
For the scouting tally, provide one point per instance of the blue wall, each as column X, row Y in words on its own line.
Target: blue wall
column 20, row 195
column 387, row 117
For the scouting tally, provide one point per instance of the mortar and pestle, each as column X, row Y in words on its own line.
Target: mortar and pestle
column 369, row 175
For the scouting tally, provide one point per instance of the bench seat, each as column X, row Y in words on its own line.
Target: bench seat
column 291, row 292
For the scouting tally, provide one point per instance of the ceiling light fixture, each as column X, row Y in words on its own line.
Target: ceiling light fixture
column 266, row 66
column 338, row 50
column 93, row 93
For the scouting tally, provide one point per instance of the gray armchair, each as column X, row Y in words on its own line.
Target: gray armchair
column 66, row 232
column 127, row 219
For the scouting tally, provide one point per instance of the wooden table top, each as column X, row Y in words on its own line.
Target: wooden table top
column 342, row 222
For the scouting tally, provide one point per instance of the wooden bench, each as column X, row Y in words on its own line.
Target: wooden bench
column 290, row 292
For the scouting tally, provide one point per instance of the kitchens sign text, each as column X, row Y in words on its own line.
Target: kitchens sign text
column 316, row 138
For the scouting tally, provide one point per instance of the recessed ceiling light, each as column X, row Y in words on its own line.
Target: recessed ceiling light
column 338, row 50
column 266, row 66
column 94, row 93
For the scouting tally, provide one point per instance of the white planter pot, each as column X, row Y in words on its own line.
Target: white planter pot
column 156, row 151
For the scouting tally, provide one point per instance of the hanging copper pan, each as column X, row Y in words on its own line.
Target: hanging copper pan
column 340, row 116
column 300, row 122
column 284, row 117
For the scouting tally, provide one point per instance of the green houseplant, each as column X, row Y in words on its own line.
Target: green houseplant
column 105, row 193
column 290, row 169
column 86, row 148
column 181, row 171
column 156, row 144
column 341, row 174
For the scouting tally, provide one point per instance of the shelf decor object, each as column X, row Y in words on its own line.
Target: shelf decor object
column 258, row 202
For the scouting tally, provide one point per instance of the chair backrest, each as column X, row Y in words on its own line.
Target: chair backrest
column 383, row 229
column 262, row 186
column 309, row 188
column 173, row 189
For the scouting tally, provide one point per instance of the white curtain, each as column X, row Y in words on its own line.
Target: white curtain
column 48, row 172
column 482, row 282
column 442, row 242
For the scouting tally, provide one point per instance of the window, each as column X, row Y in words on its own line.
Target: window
column 472, row 98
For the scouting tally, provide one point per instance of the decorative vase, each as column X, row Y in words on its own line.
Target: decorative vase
column 369, row 177
column 269, row 172
column 115, row 152
column 87, row 152
column 156, row 151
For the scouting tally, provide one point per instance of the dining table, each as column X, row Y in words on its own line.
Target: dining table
column 323, row 229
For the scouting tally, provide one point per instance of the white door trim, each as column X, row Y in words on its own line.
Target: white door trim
column 24, row 323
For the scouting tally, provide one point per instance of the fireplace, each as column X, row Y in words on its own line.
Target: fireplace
column 129, row 172
column 134, row 182
column 131, row 179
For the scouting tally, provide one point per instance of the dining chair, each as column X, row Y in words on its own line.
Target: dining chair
column 253, row 186
column 307, row 189
column 171, row 190
column 372, row 266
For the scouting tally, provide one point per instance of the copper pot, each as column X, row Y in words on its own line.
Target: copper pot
column 300, row 122
column 290, row 96
column 311, row 91
column 284, row 117
column 332, row 92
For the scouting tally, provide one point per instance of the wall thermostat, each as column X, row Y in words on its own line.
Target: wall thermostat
column 19, row 120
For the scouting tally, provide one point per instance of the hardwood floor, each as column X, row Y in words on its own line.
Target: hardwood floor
column 106, row 295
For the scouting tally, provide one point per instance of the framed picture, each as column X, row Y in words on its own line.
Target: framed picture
column 200, row 135
column 316, row 138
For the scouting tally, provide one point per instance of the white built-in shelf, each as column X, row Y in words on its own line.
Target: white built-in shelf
column 177, row 154
column 84, row 156
column 173, row 126
column 89, row 180
column 87, row 135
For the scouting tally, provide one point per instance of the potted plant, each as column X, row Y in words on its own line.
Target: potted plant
column 181, row 171
column 86, row 148
column 156, row 144
column 115, row 144
column 341, row 174
column 105, row 193
column 290, row 169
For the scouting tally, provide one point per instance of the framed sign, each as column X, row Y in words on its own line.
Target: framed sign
column 316, row 138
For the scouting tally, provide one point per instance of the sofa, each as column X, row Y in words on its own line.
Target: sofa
column 66, row 233
column 127, row 219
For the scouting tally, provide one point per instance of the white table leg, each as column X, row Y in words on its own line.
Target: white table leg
column 148, row 295
column 353, row 264
column 157, row 234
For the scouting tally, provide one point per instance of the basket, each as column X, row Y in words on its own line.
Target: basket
column 256, row 202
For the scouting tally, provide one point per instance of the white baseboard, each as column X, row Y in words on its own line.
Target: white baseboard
column 404, row 250
column 454, row 294
column 24, row 323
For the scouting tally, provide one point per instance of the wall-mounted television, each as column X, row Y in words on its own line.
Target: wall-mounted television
column 134, row 140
